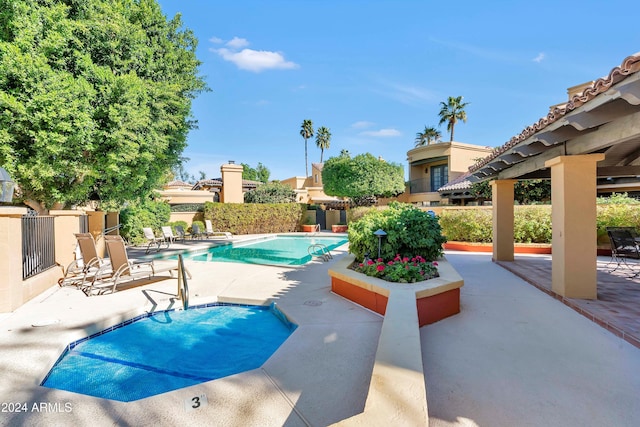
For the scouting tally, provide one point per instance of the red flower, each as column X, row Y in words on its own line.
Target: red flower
column 361, row 265
column 435, row 264
column 380, row 267
column 390, row 263
column 369, row 262
column 405, row 259
column 380, row 260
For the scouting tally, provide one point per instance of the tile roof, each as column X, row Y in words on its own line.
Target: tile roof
column 460, row 183
column 629, row 66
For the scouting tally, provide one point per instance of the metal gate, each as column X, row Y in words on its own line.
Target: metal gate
column 321, row 218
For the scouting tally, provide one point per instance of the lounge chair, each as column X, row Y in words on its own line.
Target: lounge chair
column 181, row 234
column 624, row 246
column 124, row 270
column 213, row 233
column 152, row 239
column 88, row 263
column 195, row 231
column 167, row 233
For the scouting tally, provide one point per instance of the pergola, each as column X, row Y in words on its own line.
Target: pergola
column 596, row 135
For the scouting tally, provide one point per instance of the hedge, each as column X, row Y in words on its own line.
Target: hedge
column 532, row 224
column 254, row 218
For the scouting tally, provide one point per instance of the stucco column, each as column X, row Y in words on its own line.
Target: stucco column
column 231, row 183
column 96, row 227
column 502, row 200
column 573, row 215
column 11, row 258
column 67, row 223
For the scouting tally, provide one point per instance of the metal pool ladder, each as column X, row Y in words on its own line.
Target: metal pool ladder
column 320, row 251
column 183, row 287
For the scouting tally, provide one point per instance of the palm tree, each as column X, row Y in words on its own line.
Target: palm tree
column 323, row 140
column 345, row 153
column 307, row 132
column 451, row 112
column 425, row 137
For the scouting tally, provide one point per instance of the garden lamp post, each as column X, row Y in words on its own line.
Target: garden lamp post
column 6, row 186
column 380, row 234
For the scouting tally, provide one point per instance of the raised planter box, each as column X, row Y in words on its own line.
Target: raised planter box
column 309, row 228
column 436, row 298
column 397, row 392
column 339, row 228
column 519, row 248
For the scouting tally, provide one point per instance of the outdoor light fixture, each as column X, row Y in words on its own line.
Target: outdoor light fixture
column 6, row 186
column 232, row 162
column 380, row 233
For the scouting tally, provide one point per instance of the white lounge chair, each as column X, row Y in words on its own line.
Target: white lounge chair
column 152, row 239
column 210, row 232
column 168, row 235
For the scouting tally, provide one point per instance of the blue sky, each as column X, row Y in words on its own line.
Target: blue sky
column 374, row 72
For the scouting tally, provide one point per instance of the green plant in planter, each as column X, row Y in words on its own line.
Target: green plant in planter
column 410, row 232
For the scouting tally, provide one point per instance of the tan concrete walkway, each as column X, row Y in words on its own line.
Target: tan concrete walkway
column 516, row 356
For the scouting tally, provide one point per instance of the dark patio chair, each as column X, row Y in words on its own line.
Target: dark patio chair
column 624, row 246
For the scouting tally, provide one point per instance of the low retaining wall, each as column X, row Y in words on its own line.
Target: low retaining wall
column 397, row 393
column 519, row 248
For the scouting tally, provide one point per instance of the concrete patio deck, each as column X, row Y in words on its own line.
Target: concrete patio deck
column 513, row 357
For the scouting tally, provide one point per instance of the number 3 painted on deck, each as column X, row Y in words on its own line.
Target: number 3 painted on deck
column 196, row 402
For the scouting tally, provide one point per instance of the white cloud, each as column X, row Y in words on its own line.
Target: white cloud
column 362, row 124
column 382, row 133
column 250, row 59
column 256, row 60
column 237, row 43
column 540, row 57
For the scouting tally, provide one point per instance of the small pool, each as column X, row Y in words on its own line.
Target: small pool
column 277, row 250
column 165, row 351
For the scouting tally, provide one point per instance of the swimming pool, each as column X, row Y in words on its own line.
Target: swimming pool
column 165, row 351
column 277, row 250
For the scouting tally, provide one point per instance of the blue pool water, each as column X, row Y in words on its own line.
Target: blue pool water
column 170, row 350
column 279, row 250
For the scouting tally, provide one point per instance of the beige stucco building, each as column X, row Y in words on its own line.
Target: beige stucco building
column 432, row 166
column 311, row 189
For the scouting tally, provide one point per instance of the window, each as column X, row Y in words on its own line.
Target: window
column 439, row 176
column 315, row 178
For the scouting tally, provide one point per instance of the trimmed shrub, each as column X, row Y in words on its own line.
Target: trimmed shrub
column 410, row 232
column 254, row 218
column 467, row 225
column 184, row 225
column 134, row 217
column 532, row 224
column 617, row 215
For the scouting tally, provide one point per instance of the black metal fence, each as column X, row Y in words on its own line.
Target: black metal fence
column 38, row 245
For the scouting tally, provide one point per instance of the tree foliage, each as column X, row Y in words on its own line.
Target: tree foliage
column 259, row 173
column 451, row 112
column 95, row 98
column 428, row 135
column 306, row 131
column 272, row 192
column 525, row 192
column 362, row 178
column 323, row 140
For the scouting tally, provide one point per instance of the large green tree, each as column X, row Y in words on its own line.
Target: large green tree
column 259, row 173
column 95, row 98
column 306, row 131
column 323, row 140
column 451, row 112
column 362, row 178
column 428, row 135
